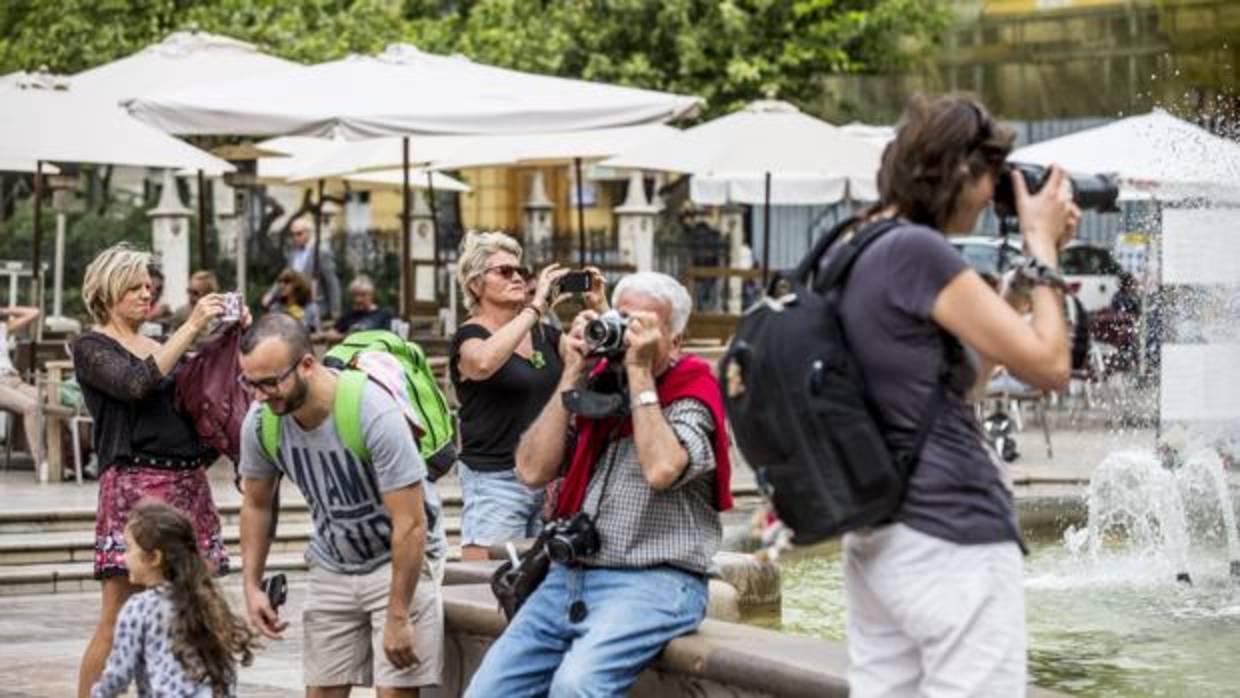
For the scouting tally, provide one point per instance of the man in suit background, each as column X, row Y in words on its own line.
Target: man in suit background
column 301, row 259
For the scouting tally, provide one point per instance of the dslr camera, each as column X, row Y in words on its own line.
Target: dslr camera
column 606, row 393
column 604, row 335
column 1091, row 192
column 569, row 540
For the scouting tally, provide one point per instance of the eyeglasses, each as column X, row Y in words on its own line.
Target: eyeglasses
column 507, row 271
column 269, row 384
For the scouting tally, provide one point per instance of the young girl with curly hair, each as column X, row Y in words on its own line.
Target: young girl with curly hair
column 178, row 637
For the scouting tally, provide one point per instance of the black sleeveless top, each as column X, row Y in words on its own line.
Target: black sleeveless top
column 495, row 411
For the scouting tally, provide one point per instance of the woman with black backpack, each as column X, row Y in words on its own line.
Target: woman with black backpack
column 935, row 596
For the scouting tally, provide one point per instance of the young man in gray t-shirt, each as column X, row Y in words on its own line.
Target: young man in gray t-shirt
column 373, row 583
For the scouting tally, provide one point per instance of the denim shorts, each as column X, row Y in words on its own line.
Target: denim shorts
column 497, row 507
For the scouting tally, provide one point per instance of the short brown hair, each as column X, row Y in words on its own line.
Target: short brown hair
column 940, row 144
column 208, row 278
column 302, row 292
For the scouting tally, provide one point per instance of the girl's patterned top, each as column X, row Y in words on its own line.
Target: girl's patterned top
column 142, row 653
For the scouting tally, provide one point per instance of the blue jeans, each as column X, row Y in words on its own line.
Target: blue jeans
column 630, row 616
column 497, row 507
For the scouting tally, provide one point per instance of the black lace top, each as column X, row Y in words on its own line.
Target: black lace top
column 130, row 402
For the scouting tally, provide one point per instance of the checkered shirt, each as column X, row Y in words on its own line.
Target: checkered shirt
column 643, row 527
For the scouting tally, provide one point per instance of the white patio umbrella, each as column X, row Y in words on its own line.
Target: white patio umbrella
column 63, row 126
column 768, row 153
column 38, row 125
column 1156, row 154
column 180, row 60
column 570, row 148
column 298, row 151
column 401, row 92
column 19, row 165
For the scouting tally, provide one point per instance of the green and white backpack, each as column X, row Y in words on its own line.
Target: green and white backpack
column 435, row 426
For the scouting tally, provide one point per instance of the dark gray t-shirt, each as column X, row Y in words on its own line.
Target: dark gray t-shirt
column 957, row 491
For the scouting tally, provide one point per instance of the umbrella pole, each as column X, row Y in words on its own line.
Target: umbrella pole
column 430, row 192
column 318, row 236
column 581, row 214
column 36, row 275
column 202, row 220
column 406, row 306
column 766, row 231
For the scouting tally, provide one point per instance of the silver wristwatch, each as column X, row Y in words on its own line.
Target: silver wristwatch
column 645, row 397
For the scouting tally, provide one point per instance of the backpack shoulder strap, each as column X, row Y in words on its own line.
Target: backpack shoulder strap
column 810, row 261
column 837, row 271
column 269, row 432
column 347, row 412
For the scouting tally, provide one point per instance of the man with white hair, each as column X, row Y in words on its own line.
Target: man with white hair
column 301, row 260
column 650, row 479
column 365, row 314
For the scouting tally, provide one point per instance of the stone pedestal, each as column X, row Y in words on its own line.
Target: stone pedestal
column 732, row 224
column 170, row 242
column 422, row 248
column 635, row 220
column 536, row 223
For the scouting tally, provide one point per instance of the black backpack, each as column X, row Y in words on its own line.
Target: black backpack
column 798, row 406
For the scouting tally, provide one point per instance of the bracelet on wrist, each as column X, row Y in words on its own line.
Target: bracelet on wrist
column 1034, row 272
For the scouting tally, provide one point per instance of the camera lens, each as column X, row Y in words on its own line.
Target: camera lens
column 560, row 550
column 596, row 332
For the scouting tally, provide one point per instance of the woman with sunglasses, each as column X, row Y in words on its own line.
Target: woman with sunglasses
column 146, row 449
column 505, row 363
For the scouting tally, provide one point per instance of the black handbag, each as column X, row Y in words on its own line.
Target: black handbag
column 512, row 585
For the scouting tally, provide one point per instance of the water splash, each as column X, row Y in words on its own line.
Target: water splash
column 1155, row 515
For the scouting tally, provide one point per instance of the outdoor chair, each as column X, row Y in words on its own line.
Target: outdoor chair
column 75, row 416
column 12, row 427
column 1010, row 395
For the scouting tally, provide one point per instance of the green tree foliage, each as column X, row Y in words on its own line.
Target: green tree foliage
column 727, row 51
column 86, row 235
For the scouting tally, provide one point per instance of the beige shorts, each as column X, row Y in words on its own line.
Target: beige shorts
column 342, row 621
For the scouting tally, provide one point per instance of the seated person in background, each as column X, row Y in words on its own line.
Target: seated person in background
column 365, row 313
column 652, row 482
column 15, row 394
column 201, row 283
column 294, row 299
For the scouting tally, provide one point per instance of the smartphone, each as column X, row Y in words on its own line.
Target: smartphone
column 232, row 307
column 276, row 588
column 575, row 282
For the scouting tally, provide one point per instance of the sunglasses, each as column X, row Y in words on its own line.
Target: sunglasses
column 269, row 384
column 507, row 271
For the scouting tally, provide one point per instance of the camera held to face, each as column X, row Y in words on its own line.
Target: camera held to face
column 604, row 335
column 1097, row 192
column 569, row 540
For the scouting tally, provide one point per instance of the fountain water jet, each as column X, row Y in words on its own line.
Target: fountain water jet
column 1133, row 492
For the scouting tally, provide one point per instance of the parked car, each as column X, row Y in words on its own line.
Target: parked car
column 986, row 254
column 1095, row 271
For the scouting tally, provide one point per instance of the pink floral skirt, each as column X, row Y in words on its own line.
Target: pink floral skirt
column 121, row 489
